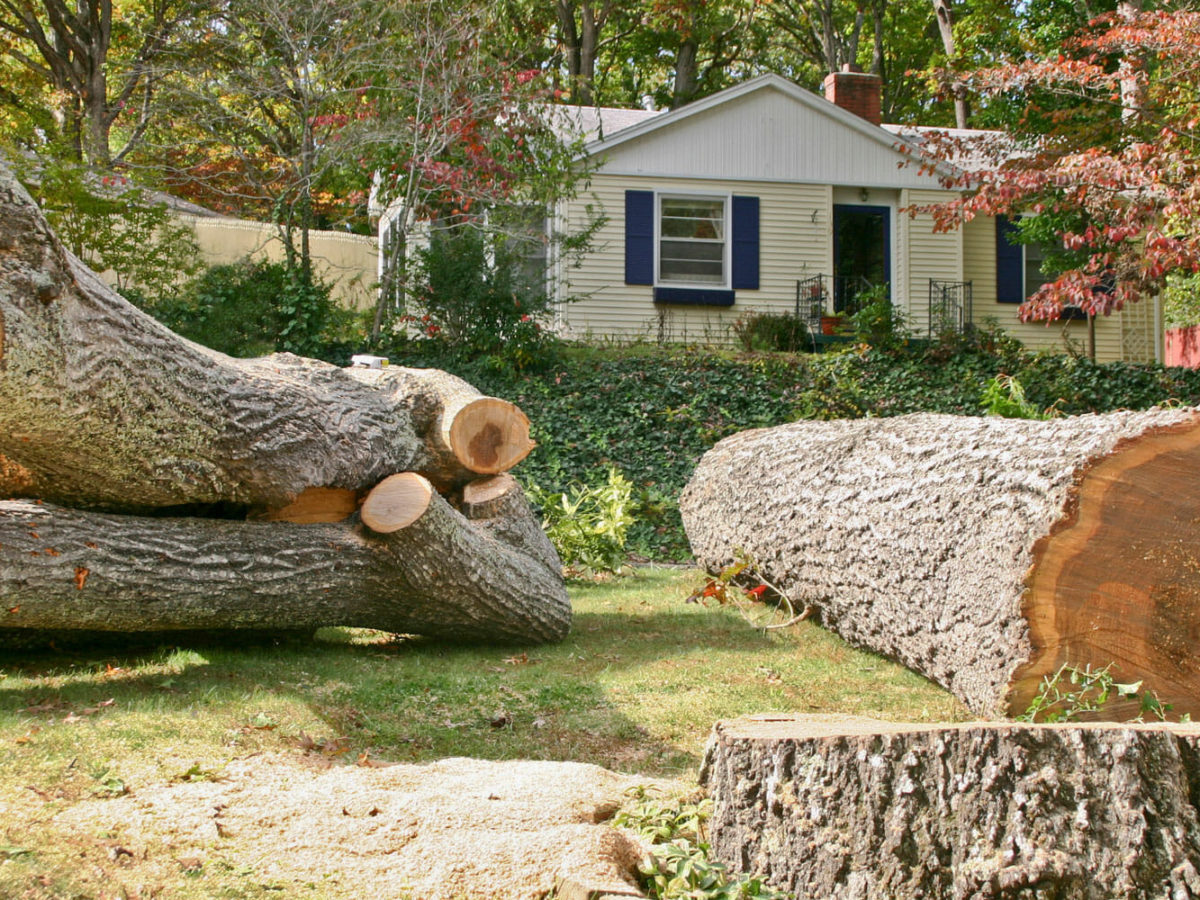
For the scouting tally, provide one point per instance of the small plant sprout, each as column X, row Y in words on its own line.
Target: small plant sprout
column 1072, row 691
column 764, row 605
column 678, row 866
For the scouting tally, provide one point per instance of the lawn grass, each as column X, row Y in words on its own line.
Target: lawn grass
column 635, row 687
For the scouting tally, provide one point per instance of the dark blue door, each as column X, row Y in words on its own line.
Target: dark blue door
column 862, row 252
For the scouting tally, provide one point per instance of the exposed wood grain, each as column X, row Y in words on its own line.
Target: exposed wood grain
column 396, row 502
column 315, row 504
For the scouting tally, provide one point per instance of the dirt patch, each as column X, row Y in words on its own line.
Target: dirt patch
column 456, row 828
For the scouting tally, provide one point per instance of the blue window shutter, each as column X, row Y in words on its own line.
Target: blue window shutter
column 745, row 244
column 639, row 237
column 1010, row 263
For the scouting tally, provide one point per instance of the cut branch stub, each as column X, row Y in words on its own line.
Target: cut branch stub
column 483, row 498
column 487, row 435
column 396, row 502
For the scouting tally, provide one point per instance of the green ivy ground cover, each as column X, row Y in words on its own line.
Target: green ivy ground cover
column 652, row 412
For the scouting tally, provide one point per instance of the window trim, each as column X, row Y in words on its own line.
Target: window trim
column 727, row 241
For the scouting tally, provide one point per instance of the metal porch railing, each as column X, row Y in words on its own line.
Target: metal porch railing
column 949, row 307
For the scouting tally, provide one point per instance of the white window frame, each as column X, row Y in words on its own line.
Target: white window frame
column 727, row 254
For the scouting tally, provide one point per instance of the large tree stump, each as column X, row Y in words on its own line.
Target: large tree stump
column 833, row 808
column 981, row 552
column 179, row 488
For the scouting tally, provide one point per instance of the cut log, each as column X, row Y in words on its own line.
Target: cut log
column 482, row 499
column 105, row 407
column 488, row 435
column 396, row 502
column 64, row 569
column 982, row 553
column 849, row 808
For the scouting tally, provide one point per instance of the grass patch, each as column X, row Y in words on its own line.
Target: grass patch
column 635, row 687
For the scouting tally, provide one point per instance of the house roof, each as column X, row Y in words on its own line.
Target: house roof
column 596, row 123
column 972, row 148
column 621, row 127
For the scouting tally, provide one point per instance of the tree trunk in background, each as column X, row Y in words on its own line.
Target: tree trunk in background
column 945, row 21
column 236, row 483
column 982, row 553
column 839, row 808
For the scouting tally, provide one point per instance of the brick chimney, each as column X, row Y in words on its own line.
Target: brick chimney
column 856, row 91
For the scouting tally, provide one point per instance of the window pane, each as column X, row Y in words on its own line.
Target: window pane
column 692, row 240
column 700, row 271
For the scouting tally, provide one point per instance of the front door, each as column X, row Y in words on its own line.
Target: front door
column 862, row 252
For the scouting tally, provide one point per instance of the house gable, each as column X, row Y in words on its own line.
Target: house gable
column 767, row 129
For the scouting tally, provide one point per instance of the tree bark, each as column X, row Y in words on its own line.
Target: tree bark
column 442, row 575
column 982, row 553
column 105, row 407
column 837, row 807
column 945, row 21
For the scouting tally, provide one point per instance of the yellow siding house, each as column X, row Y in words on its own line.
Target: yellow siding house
column 767, row 197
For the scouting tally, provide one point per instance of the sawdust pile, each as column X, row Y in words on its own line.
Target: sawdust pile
column 454, row 828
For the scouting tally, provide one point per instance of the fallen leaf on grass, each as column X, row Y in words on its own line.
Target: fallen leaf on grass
column 364, row 760
column 44, row 706
column 329, row 747
column 521, row 659
column 501, row 719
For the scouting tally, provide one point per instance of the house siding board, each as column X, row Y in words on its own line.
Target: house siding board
column 791, row 246
column 929, row 255
column 979, row 242
column 766, row 136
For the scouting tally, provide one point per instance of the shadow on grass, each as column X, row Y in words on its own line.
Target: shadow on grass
column 403, row 699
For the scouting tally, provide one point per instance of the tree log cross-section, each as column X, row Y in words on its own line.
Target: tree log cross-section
column 177, row 488
column 840, row 807
column 984, row 553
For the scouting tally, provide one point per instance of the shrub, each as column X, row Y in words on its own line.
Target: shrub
column 1181, row 301
column 477, row 295
column 772, row 331
column 588, row 525
column 877, row 321
column 1005, row 396
column 117, row 228
column 251, row 308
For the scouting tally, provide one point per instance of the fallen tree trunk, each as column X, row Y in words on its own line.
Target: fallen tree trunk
column 982, row 553
column 223, row 493
column 105, row 407
column 439, row 575
column 837, row 807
